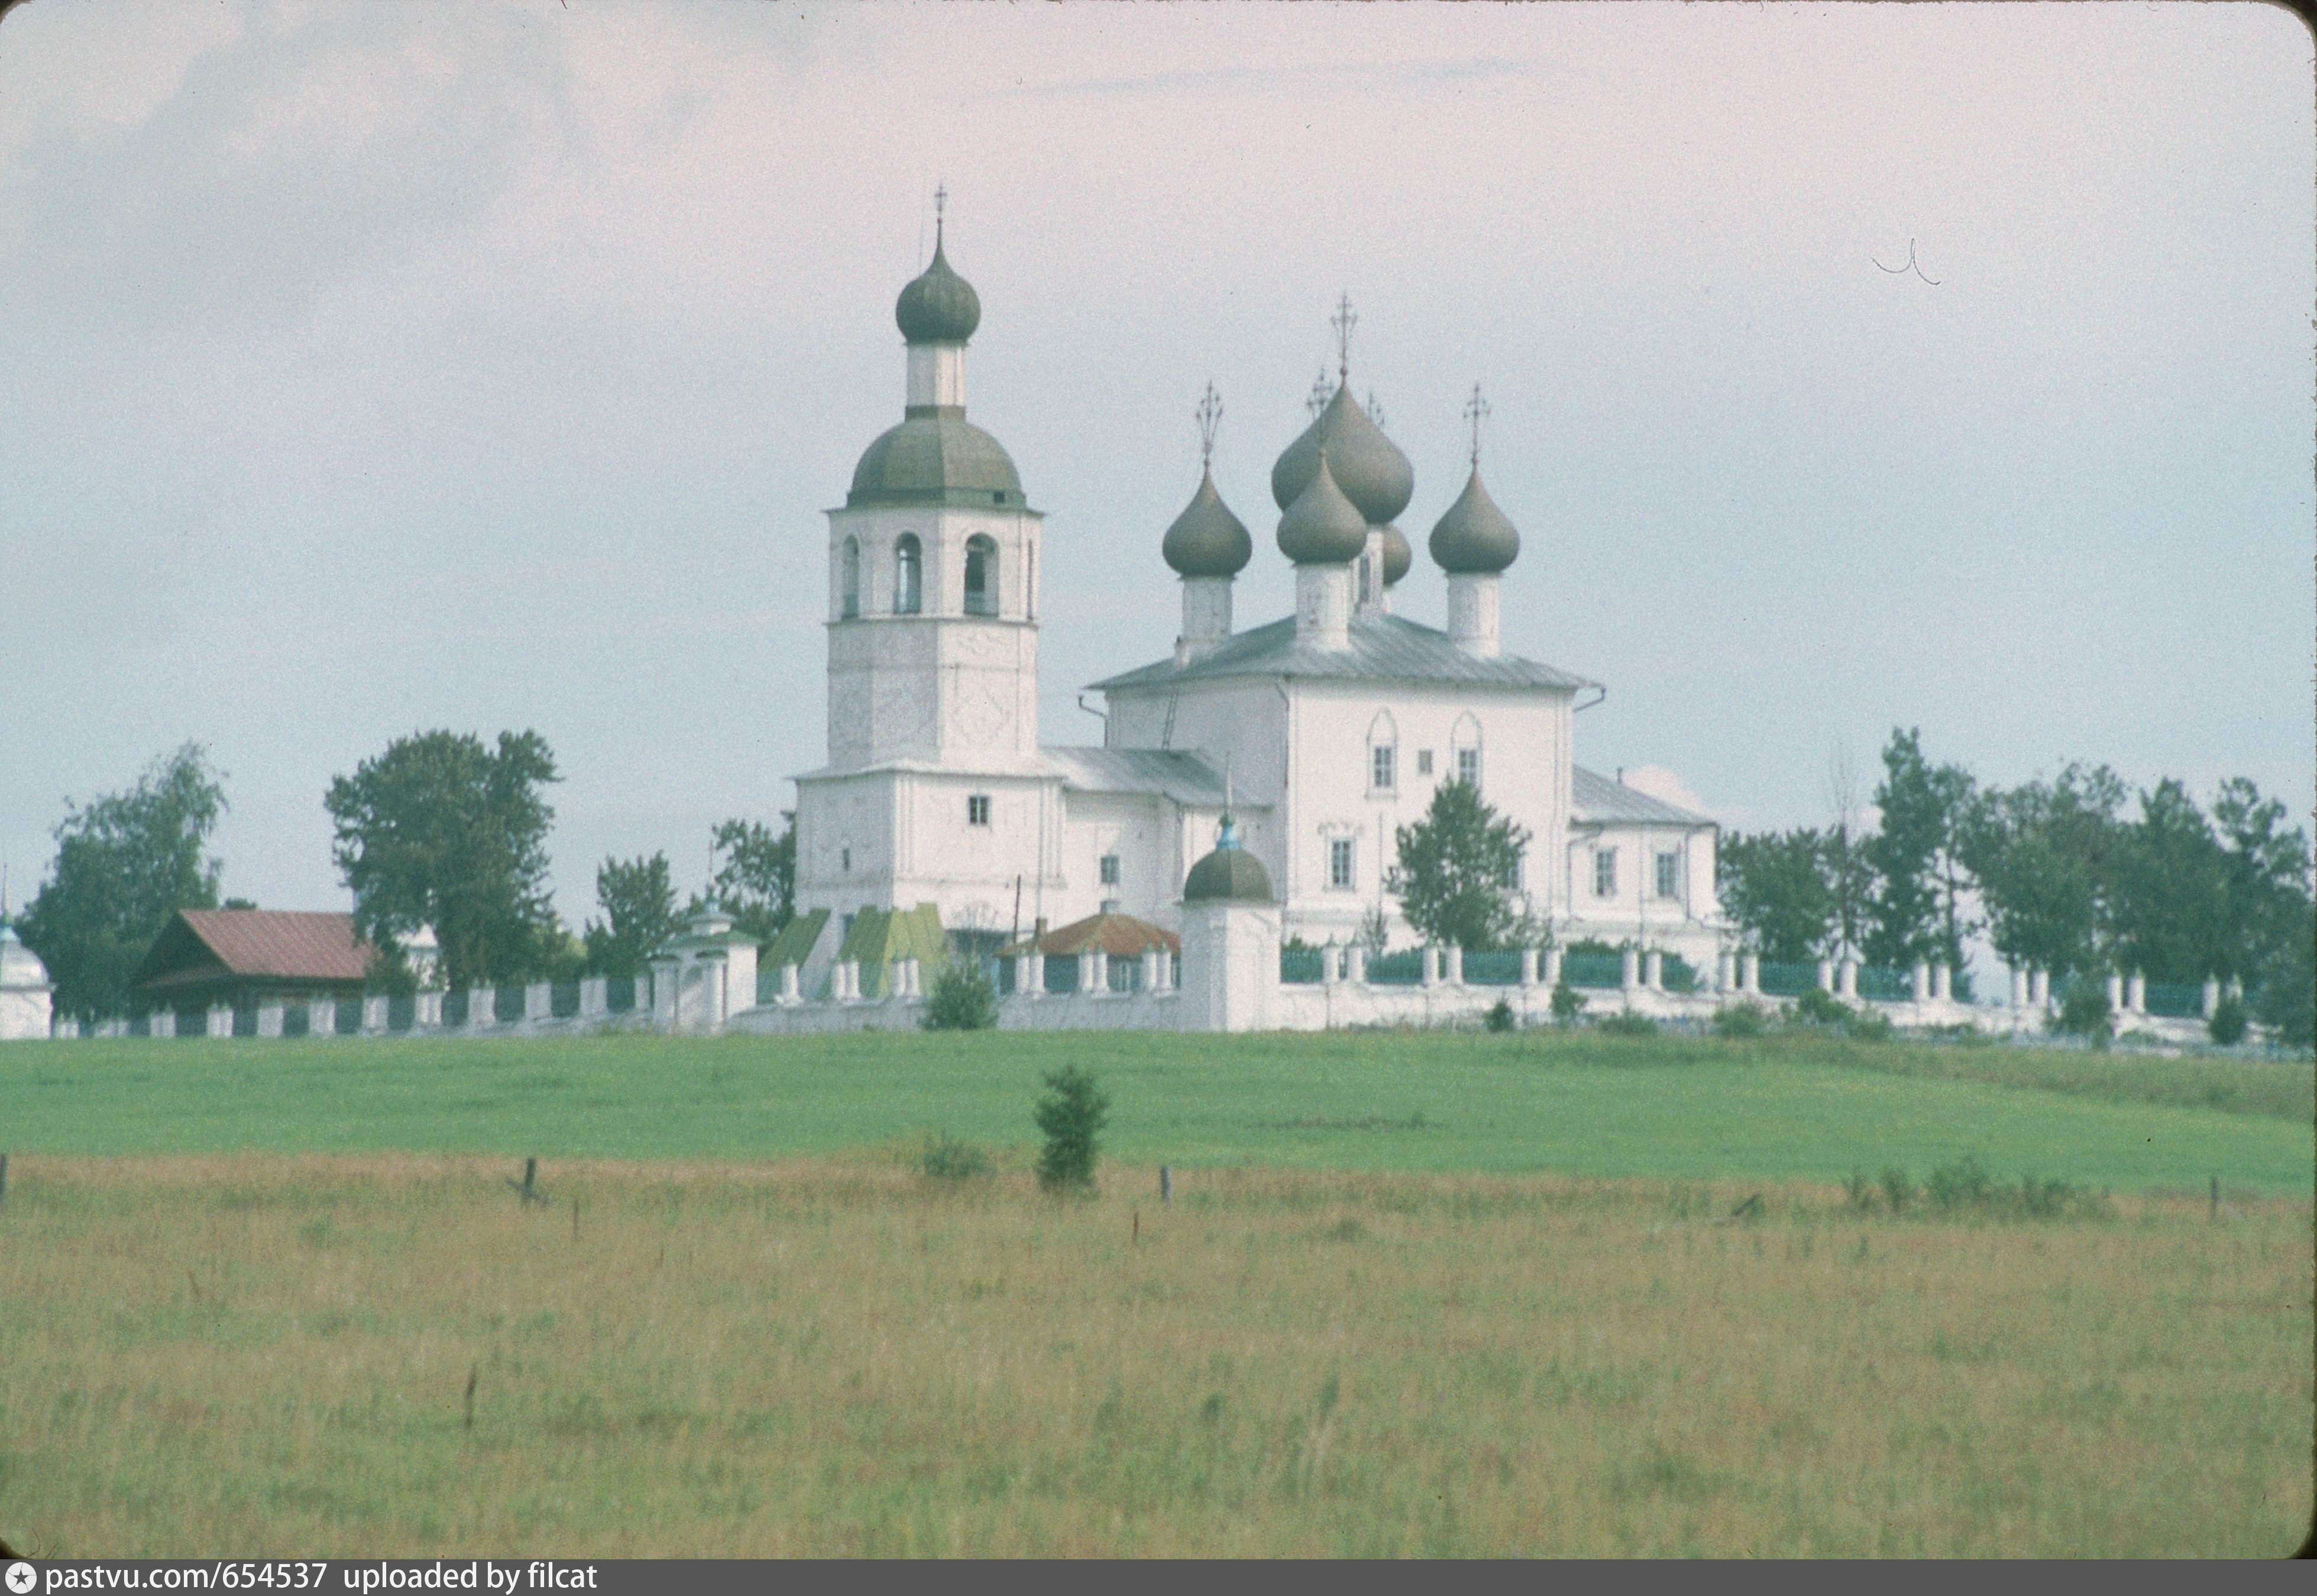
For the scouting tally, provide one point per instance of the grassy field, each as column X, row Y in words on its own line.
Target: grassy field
column 1664, row 1108
column 262, row 1355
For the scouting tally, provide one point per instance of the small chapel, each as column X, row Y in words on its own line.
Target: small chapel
column 1320, row 732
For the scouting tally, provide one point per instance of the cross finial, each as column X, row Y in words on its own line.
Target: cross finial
column 1318, row 399
column 1344, row 321
column 1375, row 410
column 1211, row 411
column 1476, row 411
column 941, row 198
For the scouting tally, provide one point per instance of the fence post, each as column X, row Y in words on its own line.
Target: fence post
column 1528, row 967
column 1452, row 960
column 1848, row 974
column 1942, row 982
column 1629, row 971
column 2136, row 993
column 1653, row 969
column 1920, row 987
column 4, row 1177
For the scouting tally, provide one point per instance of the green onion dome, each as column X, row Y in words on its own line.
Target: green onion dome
column 1368, row 466
column 1474, row 538
column 1322, row 527
column 1398, row 557
column 1207, row 539
column 1230, row 874
column 938, row 306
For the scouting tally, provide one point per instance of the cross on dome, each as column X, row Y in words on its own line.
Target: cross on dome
column 1476, row 411
column 1209, row 411
column 1344, row 319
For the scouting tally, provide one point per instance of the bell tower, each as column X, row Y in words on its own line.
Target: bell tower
column 933, row 576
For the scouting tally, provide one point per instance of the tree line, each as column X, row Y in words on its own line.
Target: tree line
column 2064, row 875
column 440, row 831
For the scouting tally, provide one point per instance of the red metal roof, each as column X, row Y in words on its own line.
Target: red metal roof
column 1122, row 936
column 281, row 942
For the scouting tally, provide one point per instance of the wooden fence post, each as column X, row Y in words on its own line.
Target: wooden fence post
column 4, row 1177
column 1166, row 1181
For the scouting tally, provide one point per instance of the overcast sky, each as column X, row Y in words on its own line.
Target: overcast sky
column 369, row 368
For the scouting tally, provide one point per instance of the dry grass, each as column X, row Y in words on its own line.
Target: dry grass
column 241, row 1355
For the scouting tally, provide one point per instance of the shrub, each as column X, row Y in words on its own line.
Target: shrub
column 961, row 999
column 1500, row 1018
column 1897, row 1189
column 1868, row 1025
column 1860, row 1191
column 1818, row 1006
column 1628, row 1024
column 1567, row 1003
column 1957, row 1185
column 2084, row 1014
column 948, row 1159
column 1070, row 1114
column 1741, row 1020
column 2227, row 1024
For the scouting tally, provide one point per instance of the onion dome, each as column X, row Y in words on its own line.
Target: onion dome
column 1368, row 466
column 1474, row 538
column 1207, row 539
column 1396, row 555
column 1322, row 527
column 936, row 459
column 1229, row 875
column 938, row 306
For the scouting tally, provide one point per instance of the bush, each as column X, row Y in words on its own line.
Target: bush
column 2084, row 1014
column 1818, row 1006
column 1628, row 1024
column 1741, row 1020
column 1957, row 1185
column 961, row 999
column 1897, row 1189
column 1500, row 1018
column 1567, row 1003
column 1070, row 1114
column 948, row 1159
column 2227, row 1025
column 1860, row 1191
column 1868, row 1025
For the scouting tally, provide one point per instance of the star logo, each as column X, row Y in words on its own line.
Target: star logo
column 22, row 1579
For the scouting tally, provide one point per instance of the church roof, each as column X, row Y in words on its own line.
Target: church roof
column 1383, row 649
column 1594, row 799
column 935, row 459
column 1122, row 936
column 1184, row 777
column 200, row 947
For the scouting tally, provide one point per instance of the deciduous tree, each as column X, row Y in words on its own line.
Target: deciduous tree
column 1458, row 868
column 1916, row 856
column 2047, row 858
column 756, row 882
column 124, row 864
column 442, row 831
column 639, row 901
column 1774, row 887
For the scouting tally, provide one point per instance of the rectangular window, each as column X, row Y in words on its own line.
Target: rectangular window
column 1339, row 862
column 1380, row 763
column 1604, row 872
column 1110, row 869
column 977, row 809
column 1669, row 875
column 1424, row 762
column 1467, row 766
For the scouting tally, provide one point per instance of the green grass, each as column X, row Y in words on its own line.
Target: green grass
column 1666, row 1107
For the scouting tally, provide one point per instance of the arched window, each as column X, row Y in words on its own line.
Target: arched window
column 1383, row 752
column 909, row 584
column 980, row 575
column 848, row 580
column 1465, row 739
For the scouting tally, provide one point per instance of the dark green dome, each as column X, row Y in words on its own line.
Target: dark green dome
column 1396, row 555
column 938, row 306
column 1322, row 527
column 1366, row 465
column 1207, row 539
column 1474, row 538
column 936, row 459
column 1229, row 875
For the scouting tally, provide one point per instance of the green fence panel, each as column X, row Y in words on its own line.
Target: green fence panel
column 1787, row 980
column 1593, row 969
column 1061, row 972
column 1404, row 968
column 1493, row 967
column 455, row 1007
column 2174, row 1000
column 348, row 1018
column 402, row 1011
column 1888, row 985
column 506, row 1004
column 1302, row 965
column 295, row 1021
column 563, row 999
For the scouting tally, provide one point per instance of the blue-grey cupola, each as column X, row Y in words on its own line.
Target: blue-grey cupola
column 938, row 306
column 1207, row 539
column 1474, row 537
column 1322, row 526
column 1229, row 874
column 1367, row 466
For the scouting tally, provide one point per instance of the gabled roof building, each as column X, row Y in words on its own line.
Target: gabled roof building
column 242, row 958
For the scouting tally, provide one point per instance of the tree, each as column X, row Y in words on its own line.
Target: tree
column 2047, row 858
column 124, row 864
column 640, row 901
column 961, row 999
column 2171, row 910
column 757, row 884
column 1920, row 879
column 1773, row 887
column 2267, row 877
column 1070, row 1114
column 1457, row 870
column 442, row 831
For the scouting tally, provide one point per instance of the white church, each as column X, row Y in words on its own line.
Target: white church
column 1324, row 730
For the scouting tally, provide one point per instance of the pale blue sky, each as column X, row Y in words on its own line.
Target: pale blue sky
column 368, row 369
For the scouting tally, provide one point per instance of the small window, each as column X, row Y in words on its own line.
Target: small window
column 977, row 809
column 1669, row 875
column 1516, row 874
column 1604, row 872
column 980, row 575
column 1367, row 579
column 909, row 577
column 844, row 862
column 1380, row 767
column 1340, row 863
column 1467, row 766
column 849, row 581
column 1109, row 869
column 1424, row 762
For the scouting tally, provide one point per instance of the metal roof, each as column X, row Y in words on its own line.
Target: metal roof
column 1595, row 799
column 1383, row 649
column 1184, row 777
column 935, row 457
column 1122, row 936
column 280, row 944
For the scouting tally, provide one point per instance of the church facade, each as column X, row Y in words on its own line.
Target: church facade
column 1322, row 731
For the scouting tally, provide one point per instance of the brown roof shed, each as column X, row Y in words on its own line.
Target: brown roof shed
column 210, row 956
